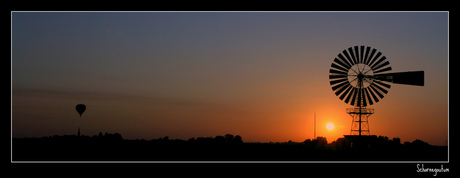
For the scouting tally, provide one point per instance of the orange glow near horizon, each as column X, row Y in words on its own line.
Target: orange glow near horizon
column 254, row 121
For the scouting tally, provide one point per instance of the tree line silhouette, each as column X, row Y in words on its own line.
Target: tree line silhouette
column 112, row 147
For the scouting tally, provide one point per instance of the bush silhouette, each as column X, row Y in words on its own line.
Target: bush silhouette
column 228, row 147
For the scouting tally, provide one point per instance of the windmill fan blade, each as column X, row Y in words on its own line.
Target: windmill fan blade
column 373, row 94
column 345, row 60
column 348, row 57
column 361, row 55
column 364, row 103
column 338, row 67
column 353, row 99
column 340, row 85
column 359, row 98
column 408, row 78
column 368, row 96
column 347, row 100
column 383, row 84
column 338, row 92
column 357, row 54
column 337, row 76
column 376, row 90
column 346, row 91
column 350, row 49
column 369, row 60
column 380, row 66
column 383, row 70
column 333, row 82
column 375, row 58
column 337, row 72
column 379, row 87
column 367, row 55
column 347, row 66
column 374, row 66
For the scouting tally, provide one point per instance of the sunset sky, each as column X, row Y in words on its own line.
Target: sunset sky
column 260, row 75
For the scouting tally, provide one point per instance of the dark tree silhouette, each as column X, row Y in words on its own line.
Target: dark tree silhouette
column 229, row 138
column 113, row 147
column 238, row 139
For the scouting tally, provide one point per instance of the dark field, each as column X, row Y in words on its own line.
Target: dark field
column 111, row 147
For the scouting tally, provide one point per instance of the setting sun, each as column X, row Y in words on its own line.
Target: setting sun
column 330, row 126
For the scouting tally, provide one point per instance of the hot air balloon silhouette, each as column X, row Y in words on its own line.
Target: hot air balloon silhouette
column 80, row 108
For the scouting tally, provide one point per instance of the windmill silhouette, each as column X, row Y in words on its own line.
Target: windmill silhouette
column 359, row 76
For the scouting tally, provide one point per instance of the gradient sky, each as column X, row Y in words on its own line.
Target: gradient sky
column 261, row 75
